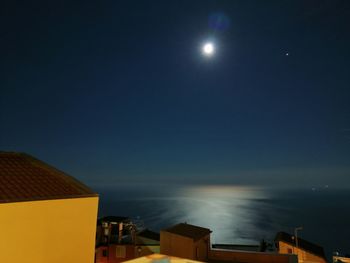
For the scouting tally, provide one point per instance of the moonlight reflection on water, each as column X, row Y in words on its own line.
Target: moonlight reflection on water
column 236, row 214
column 229, row 211
column 223, row 209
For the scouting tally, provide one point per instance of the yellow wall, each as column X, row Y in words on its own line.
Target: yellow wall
column 201, row 249
column 176, row 245
column 49, row 231
column 179, row 246
column 303, row 256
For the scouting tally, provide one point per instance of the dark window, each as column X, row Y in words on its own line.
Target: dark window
column 104, row 252
column 114, row 230
column 290, row 251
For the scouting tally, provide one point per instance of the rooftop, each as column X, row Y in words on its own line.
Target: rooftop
column 187, row 230
column 24, row 178
column 302, row 244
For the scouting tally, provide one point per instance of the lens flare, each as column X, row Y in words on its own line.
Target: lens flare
column 219, row 22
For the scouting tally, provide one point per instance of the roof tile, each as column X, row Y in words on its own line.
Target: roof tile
column 24, row 178
column 187, row 230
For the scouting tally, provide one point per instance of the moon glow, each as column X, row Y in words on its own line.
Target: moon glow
column 208, row 49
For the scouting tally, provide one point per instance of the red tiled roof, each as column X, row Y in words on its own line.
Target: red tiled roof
column 24, row 178
column 187, row 230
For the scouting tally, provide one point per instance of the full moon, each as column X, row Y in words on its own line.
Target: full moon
column 208, row 49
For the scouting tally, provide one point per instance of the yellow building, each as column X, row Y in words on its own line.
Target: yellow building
column 306, row 251
column 186, row 241
column 193, row 242
column 46, row 216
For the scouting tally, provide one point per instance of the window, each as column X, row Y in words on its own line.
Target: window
column 290, row 251
column 104, row 253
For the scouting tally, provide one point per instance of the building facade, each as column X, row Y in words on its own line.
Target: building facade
column 193, row 242
column 186, row 241
column 118, row 240
column 305, row 250
column 46, row 216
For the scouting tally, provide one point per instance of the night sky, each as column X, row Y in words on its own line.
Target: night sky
column 120, row 91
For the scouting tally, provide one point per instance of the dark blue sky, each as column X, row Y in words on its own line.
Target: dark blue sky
column 119, row 91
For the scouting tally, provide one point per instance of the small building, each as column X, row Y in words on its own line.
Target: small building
column 193, row 242
column 305, row 250
column 46, row 216
column 115, row 239
column 186, row 241
column 118, row 240
column 112, row 229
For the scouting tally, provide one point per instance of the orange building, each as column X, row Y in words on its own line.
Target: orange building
column 305, row 250
column 193, row 242
column 46, row 216
column 115, row 253
column 186, row 241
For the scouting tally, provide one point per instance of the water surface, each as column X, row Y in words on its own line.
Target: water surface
column 235, row 214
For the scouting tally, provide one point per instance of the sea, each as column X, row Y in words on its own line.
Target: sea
column 236, row 214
